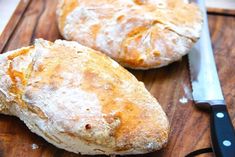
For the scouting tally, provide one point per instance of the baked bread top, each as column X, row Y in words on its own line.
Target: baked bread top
column 80, row 100
column 139, row 34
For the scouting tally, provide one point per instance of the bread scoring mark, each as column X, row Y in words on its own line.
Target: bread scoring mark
column 137, row 30
column 23, row 51
column 100, row 135
column 23, row 77
column 132, row 14
column 13, row 74
column 131, row 51
column 16, row 74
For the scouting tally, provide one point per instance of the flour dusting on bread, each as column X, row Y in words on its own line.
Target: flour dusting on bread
column 139, row 34
column 80, row 100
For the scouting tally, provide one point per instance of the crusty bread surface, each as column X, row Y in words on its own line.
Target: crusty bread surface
column 80, row 100
column 139, row 34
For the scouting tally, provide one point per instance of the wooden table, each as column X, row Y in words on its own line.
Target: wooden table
column 189, row 127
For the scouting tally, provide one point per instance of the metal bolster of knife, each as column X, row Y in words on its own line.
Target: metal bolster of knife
column 208, row 103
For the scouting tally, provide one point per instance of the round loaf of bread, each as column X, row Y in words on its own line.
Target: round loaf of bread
column 139, row 34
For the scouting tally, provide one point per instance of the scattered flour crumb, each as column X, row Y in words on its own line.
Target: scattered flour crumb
column 188, row 92
column 34, row 146
column 183, row 100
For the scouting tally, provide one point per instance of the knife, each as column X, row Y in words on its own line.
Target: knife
column 207, row 92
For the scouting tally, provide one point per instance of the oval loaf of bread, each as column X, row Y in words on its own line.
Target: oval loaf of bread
column 139, row 34
column 80, row 100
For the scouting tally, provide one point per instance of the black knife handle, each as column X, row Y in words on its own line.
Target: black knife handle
column 222, row 132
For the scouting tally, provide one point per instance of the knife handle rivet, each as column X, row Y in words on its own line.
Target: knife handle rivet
column 227, row 143
column 220, row 115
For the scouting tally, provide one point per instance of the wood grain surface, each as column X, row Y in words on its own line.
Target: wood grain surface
column 219, row 11
column 189, row 126
column 222, row 7
column 11, row 24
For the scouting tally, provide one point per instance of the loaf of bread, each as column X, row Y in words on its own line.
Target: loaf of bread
column 80, row 100
column 139, row 34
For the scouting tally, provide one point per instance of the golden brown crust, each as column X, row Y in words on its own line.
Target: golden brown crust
column 66, row 8
column 132, row 31
column 80, row 100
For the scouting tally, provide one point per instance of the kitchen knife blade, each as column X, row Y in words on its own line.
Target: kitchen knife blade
column 207, row 91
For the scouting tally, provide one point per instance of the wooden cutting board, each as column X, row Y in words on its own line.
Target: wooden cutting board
column 225, row 7
column 170, row 85
column 10, row 14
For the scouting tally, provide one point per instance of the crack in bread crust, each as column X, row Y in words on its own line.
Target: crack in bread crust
column 81, row 100
column 118, row 29
column 19, row 79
